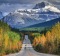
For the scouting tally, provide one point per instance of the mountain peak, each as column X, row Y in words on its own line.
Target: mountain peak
column 41, row 5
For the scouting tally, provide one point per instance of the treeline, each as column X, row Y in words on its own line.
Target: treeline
column 10, row 42
column 48, row 42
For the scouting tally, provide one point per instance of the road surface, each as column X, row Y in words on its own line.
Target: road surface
column 27, row 50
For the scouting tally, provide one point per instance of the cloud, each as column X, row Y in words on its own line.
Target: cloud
column 56, row 2
column 19, row 1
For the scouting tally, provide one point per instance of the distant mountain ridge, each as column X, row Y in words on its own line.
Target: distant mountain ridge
column 46, row 24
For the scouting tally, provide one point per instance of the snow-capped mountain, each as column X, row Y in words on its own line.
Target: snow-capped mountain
column 47, row 13
column 1, row 15
column 51, row 8
column 19, row 20
column 25, row 17
column 46, row 24
column 46, row 6
column 41, row 5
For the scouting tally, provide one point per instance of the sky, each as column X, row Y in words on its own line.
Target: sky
column 29, row 1
column 24, row 4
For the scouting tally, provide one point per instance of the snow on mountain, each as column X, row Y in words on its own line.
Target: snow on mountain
column 5, row 13
column 18, row 20
column 44, row 9
column 51, row 8
column 46, row 6
column 24, row 17
column 37, row 14
column 28, row 10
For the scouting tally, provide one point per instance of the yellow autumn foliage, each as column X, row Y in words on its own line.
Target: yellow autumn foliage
column 50, row 41
column 6, row 41
column 43, row 40
column 9, row 41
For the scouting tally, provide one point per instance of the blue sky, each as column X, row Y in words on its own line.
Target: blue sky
column 56, row 3
column 29, row 1
column 25, row 4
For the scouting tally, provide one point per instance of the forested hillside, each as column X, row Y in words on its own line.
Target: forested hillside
column 10, row 42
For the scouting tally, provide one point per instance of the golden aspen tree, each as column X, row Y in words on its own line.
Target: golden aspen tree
column 43, row 40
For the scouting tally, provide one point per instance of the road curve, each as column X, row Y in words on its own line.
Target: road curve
column 27, row 50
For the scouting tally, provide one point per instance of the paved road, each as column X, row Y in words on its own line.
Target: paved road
column 27, row 50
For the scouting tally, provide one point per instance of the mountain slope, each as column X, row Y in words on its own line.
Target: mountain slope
column 46, row 24
column 18, row 21
column 1, row 15
column 24, row 19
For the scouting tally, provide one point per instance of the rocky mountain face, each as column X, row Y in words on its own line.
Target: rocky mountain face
column 41, row 12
